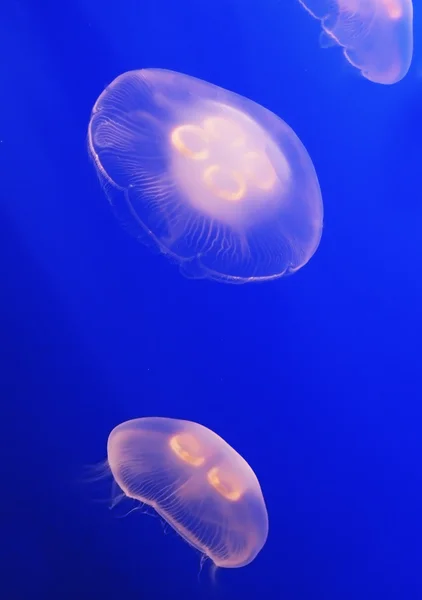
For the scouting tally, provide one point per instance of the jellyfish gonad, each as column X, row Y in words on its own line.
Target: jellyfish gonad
column 376, row 35
column 196, row 482
column 214, row 180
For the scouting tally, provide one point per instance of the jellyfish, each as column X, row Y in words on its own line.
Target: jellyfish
column 196, row 482
column 211, row 179
column 376, row 35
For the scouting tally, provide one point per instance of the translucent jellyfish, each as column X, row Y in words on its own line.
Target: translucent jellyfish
column 376, row 35
column 202, row 487
column 214, row 180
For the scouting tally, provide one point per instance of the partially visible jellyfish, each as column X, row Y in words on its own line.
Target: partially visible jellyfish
column 196, row 482
column 376, row 35
column 215, row 181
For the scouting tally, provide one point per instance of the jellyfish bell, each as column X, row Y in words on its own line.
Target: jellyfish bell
column 376, row 35
column 196, row 482
column 215, row 181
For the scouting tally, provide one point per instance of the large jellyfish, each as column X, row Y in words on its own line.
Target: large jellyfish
column 214, row 180
column 198, row 483
column 376, row 35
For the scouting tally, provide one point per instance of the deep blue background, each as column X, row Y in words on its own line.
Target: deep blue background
column 315, row 379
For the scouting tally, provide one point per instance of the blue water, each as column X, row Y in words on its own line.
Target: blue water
column 315, row 379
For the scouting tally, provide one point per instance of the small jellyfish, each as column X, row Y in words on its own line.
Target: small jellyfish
column 196, row 482
column 376, row 35
column 215, row 181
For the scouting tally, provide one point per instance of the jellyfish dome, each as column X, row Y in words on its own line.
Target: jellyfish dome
column 215, row 181
column 376, row 35
column 195, row 481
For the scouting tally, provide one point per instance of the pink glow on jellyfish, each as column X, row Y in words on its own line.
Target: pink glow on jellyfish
column 214, row 180
column 376, row 35
column 196, row 482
